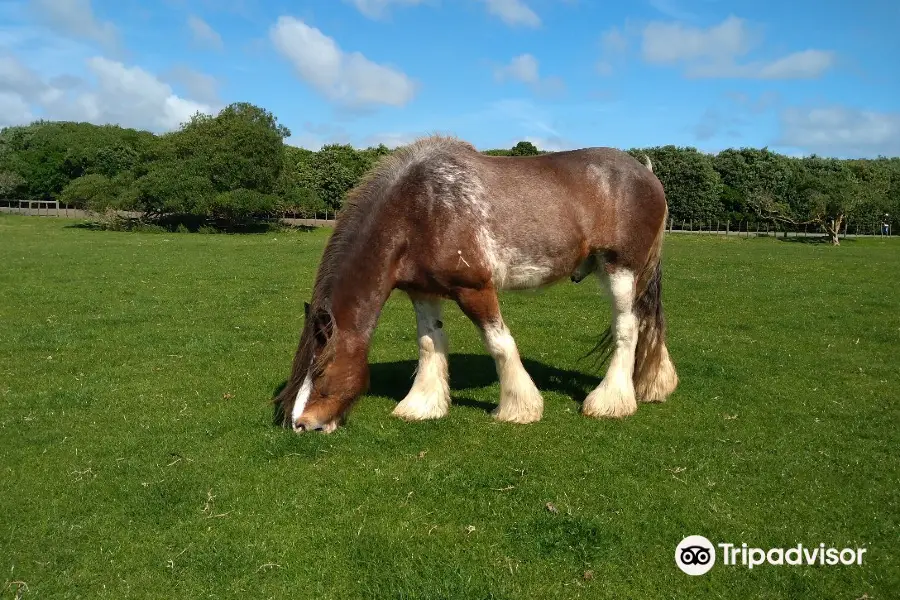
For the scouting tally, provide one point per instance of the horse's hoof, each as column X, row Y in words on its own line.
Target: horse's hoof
column 519, row 418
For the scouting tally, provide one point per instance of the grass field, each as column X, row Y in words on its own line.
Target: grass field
column 138, row 459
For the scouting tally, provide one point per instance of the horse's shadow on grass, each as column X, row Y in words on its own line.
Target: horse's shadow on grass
column 473, row 371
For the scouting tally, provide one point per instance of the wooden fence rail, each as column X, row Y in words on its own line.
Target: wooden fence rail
column 873, row 228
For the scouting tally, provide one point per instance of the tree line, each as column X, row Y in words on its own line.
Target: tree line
column 235, row 167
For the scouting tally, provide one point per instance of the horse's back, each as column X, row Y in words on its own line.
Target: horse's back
column 591, row 198
column 533, row 219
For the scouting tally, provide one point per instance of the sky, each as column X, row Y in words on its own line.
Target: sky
column 796, row 76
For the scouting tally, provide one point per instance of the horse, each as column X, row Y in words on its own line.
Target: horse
column 441, row 221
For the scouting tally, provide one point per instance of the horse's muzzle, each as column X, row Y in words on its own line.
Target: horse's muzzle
column 301, row 427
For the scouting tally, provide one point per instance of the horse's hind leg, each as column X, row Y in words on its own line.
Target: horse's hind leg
column 615, row 396
column 429, row 397
column 520, row 400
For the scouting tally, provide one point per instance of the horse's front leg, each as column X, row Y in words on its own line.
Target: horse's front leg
column 520, row 400
column 429, row 397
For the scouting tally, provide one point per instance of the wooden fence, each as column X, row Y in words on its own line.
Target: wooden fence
column 870, row 228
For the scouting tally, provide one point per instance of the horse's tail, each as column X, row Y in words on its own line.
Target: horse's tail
column 654, row 374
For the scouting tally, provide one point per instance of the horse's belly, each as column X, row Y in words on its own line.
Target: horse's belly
column 524, row 254
column 514, row 269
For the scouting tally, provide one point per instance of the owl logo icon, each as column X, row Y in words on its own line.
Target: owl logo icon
column 695, row 555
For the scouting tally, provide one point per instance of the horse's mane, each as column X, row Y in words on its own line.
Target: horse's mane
column 356, row 213
column 374, row 186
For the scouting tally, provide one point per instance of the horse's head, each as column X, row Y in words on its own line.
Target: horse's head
column 331, row 372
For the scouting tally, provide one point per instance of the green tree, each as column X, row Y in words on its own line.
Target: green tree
column 171, row 189
column 334, row 170
column 827, row 190
column 752, row 176
column 226, row 167
column 93, row 192
column 49, row 155
column 240, row 148
column 11, row 185
column 692, row 185
column 334, row 178
column 242, row 205
column 524, row 149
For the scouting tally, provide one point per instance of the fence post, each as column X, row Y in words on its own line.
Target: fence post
column 727, row 227
column 671, row 222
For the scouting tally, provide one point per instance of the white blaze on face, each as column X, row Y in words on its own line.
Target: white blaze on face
column 301, row 399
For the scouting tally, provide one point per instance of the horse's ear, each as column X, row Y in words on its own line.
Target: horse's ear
column 323, row 326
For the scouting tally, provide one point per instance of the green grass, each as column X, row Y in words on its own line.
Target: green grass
column 138, row 459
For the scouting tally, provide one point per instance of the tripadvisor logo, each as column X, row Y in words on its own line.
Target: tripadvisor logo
column 696, row 555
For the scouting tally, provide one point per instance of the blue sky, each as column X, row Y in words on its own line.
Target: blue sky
column 798, row 77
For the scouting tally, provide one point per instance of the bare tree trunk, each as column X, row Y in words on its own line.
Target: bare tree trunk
column 833, row 228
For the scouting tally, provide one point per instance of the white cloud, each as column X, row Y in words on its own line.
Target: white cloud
column 14, row 110
column 313, row 137
column 669, row 43
column 799, row 65
column 18, row 79
column 204, row 34
column 613, row 41
column 376, row 9
column 306, row 140
column 714, row 52
column 391, row 139
column 525, row 68
column 200, row 86
column 128, row 96
column 807, row 64
column 76, row 18
column 841, row 131
column 553, row 143
column 614, row 45
column 133, row 97
column 348, row 78
column 513, row 12
column 522, row 68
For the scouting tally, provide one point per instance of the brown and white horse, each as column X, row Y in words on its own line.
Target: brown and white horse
column 440, row 220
